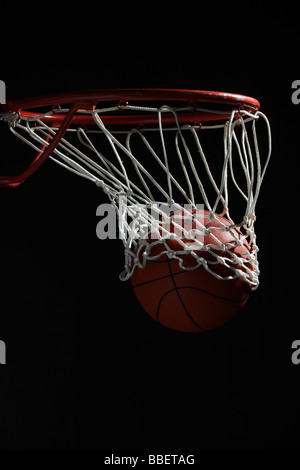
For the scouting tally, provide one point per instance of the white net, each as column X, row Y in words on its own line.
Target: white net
column 158, row 176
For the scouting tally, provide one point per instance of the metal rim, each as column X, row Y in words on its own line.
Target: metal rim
column 86, row 100
column 89, row 99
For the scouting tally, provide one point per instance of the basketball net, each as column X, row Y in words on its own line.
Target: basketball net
column 146, row 169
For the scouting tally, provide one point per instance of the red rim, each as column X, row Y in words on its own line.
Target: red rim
column 85, row 100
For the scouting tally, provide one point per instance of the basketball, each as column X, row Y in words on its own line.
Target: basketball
column 193, row 300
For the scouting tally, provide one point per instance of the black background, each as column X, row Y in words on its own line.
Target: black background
column 86, row 367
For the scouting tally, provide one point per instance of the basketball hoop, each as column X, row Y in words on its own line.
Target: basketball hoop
column 162, row 148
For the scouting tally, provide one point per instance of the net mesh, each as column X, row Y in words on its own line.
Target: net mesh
column 158, row 176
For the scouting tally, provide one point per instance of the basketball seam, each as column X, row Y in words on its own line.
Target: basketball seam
column 180, row 299
column 164, row 295
column 214, row 295
column 184, row 287
column 156, row 279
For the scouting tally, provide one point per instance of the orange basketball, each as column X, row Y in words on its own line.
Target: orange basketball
column 195, row 300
